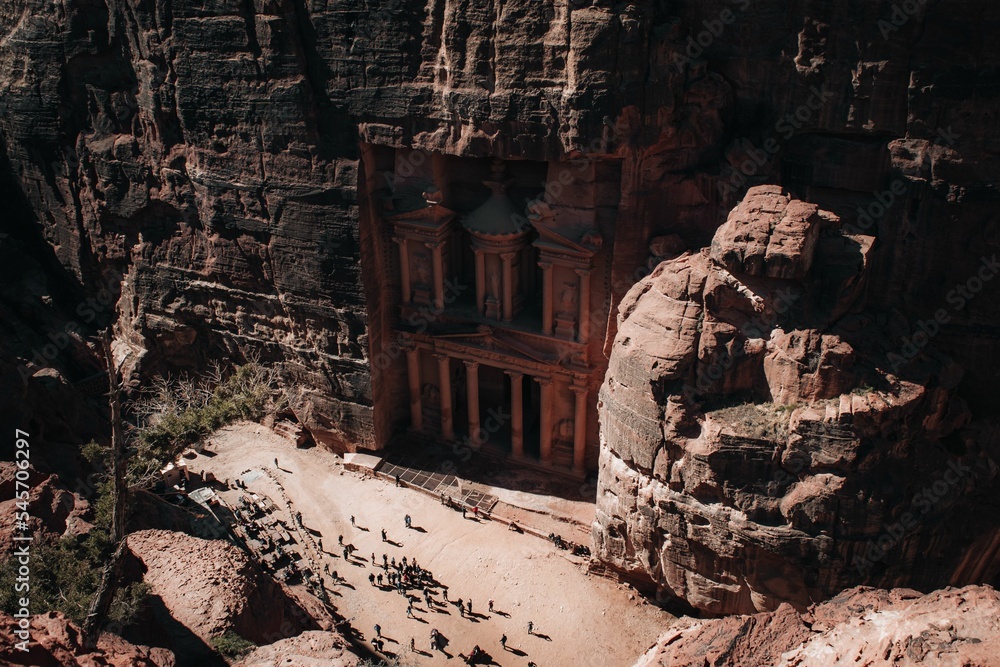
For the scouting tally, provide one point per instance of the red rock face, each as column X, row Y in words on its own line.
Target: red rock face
column 56, row 642
column 757, row 447
column 953, row 627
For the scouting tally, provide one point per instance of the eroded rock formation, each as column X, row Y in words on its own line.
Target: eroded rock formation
column 204, row 588
column 954, row 627
column 760, row 445
column 57, row 642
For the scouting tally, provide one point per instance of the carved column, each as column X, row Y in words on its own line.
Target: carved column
column 546, row 297
column 516, row 414
column 404, row 268
column 480, row 281
column 444, row 382
column 546, row 419
column 438, row 263
column 579, row 428
column 472, row 398
column 508, row 286
column 583, row 326
column 413, row 372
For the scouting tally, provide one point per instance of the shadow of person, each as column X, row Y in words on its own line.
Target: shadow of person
column 419, row 529
column 541, row 636
column 395, row 544
column 516, row 651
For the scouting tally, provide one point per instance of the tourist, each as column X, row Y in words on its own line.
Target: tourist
column 444, row 592
column 385, row 562
column 340, row 540
column 397, row 480
column 503, row 642
column 275, row 461
column 413, row 645
column 373, row 558
column 475, row 512
column 409, row 610
column 394, row 562
column 320, row 543
column 384, row 536
column 408, row 521
column 352, row 520
column 378, row 630
column 379, row 577
column 461, row 607
column 463, row 512
column 470, row 606
column 531, row 627
column 490, row 605
column 403, row 562
column 347, row 554
column 371, row 579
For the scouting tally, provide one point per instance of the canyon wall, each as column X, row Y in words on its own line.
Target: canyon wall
column 202, row 161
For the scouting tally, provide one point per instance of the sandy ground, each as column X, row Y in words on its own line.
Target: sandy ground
column 579, row 619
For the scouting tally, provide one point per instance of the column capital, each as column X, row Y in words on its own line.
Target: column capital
column 441, row 357
column 433, row 245
column 471, row 364
column 576, row 389
column 508, row 256
column 543, row 381
column 583, row 273
column 399, row 239
column 545, row 266
column 477, row 251
column 515, row 375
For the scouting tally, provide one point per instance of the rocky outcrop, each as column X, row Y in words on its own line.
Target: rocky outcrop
column 57, row 642
column 52, row 511
column 309, row 649
column 954, row 627
column 209, row 587
column 760, row 445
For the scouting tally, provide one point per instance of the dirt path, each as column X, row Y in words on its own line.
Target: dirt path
column 579, row 619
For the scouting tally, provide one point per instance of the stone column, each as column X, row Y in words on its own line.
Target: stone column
column 472, row 398
column 516, row 414
column 546, row 419
column 444, row 384
column 413, row 371
column 583, row 325
column 508, row 286
column 404, row 268
column 438, row 264
column 480, row 281
column 546, row 297
column 579, row 428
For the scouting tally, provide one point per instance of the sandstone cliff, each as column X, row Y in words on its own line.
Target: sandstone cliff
column 951, row 628
column 761, row 443
column 201, row 158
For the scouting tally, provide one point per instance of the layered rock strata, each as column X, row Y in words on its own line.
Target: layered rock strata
column 760, row 442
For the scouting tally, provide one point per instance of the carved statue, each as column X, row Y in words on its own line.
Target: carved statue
column 423, row 270
column 567, row 301
column 495, row 284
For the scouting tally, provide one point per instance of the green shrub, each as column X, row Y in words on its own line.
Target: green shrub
column 232, row 646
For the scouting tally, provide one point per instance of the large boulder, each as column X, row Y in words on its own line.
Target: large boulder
column 949, row 628
column 760, row 445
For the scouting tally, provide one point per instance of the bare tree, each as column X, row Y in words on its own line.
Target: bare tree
column 100, row 605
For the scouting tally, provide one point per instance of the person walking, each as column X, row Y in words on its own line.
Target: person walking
column 413, row 645
column 385, row 562
column 475, row 512
column 347, row 553
column 384, row 536
column 463, row 512
column 397, row 480
column 531, row 628
column 319, row 543
column 371, row 579
column 373, row 558
column 379, row 578
column 408, row 521
column 409, row 610
column 444, row 592
column 340, row 540
column 503, row 642
column 275, row 461
column 378, row 630
column 490, row 604
column 352, row 521
column 461, row 607
column 470, row 606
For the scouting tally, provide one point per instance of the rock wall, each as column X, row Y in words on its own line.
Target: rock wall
column 201, row 160
column 952, row 627
column 763, row 443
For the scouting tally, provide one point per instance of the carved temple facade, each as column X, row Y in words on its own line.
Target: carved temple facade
column 495, row 301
